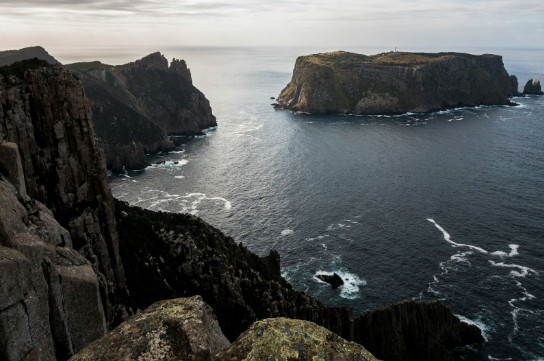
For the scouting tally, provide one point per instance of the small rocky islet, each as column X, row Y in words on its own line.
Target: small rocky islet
column 396, row 82
column 78, row 265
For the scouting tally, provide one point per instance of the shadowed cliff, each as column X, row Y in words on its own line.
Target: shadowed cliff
column 137, row 105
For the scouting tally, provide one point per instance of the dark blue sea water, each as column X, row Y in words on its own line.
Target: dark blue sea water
column 445, row 206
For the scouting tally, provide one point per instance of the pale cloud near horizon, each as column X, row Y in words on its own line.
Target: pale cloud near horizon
column 272, row 22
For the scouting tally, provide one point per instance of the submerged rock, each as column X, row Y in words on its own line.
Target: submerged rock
column 533, row 87
column 283, row 339
column 183, row 329
column 334, row 280
column 395, row 82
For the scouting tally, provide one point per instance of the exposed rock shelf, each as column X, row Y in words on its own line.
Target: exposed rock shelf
column 395, row 82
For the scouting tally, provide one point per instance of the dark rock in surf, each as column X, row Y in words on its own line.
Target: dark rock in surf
column 334, row 280
column 533, row 87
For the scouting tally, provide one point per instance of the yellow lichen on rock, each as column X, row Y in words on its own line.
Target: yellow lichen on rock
column 282, row 339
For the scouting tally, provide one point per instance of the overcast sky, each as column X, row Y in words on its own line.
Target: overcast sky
column 402, row 23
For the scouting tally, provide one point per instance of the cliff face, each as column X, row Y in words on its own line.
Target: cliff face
column 136, row 105
column 61, row 204
column 392, row 83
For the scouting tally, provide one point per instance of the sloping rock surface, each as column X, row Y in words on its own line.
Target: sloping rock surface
column 395, row 82
column 136, row 105
column 414, row 331
column 284, row 339
column 183, row 329
column 8, row 57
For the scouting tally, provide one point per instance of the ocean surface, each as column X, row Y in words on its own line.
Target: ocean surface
column 446, row 206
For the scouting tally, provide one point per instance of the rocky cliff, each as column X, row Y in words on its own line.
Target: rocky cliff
column 137, row 105
column 55, row 201
column 532, row 87
column 395, row 82
column 62, row 240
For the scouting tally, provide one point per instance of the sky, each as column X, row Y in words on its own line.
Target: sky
column 340, row 23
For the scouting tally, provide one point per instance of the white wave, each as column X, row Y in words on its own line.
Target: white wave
column 523, row 271
column 168, row 164
column 478, row 323
column 177, row 151
column 513, row 247
column 179, row 176
column 350, row 288
column 287, row 232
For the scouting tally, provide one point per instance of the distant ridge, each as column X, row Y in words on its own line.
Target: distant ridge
column 9, row 57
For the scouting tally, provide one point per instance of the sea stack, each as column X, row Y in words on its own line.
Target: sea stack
column 395, row 83
column 532, row 87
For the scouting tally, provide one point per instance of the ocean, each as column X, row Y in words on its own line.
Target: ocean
column 447, row 206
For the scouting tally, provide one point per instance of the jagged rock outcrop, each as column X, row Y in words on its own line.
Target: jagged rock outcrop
column 414, row 331
column 136, row 105
column 284, row 339
column 176, row 255
column 183, row 329
column 8, row 57
column 533, row 87
column 334, row 280
column 179, row 255
column 395, row 82
column 64, row 206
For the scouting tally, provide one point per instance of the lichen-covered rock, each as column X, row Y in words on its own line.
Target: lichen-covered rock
column 283, row 339
column 533, row 87
column 183, row 329
column 395, row 82
column 136, row 105
column 414, row 331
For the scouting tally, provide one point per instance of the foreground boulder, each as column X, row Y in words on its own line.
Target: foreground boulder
column 284, row 339
column 179, row 329
column 414, row 331
column 533, row 87
column 395, row 82
column 137, row 105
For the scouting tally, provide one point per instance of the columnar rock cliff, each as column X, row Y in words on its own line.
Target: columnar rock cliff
column 395, row 82
column 136, row 105
column 55, row 201
column 62, row 240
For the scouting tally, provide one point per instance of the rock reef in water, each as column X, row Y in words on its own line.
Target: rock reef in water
column 65, row 245
column 395, row 82
column 532, row 87
column 136, row 106
column 334, row 280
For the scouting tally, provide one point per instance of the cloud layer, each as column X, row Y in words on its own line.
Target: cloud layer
column 271, row 22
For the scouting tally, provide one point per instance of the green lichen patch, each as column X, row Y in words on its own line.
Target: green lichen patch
column 279, row 339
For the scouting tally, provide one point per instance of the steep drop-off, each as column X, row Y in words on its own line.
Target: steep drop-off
column 137, row 105
column 61, row 245
column 395, row 82
column 56, row 207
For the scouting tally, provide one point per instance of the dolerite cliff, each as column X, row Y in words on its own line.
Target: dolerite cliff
column 137, row 105
column 395, row 82
column 59, row 257
column 62, row 239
